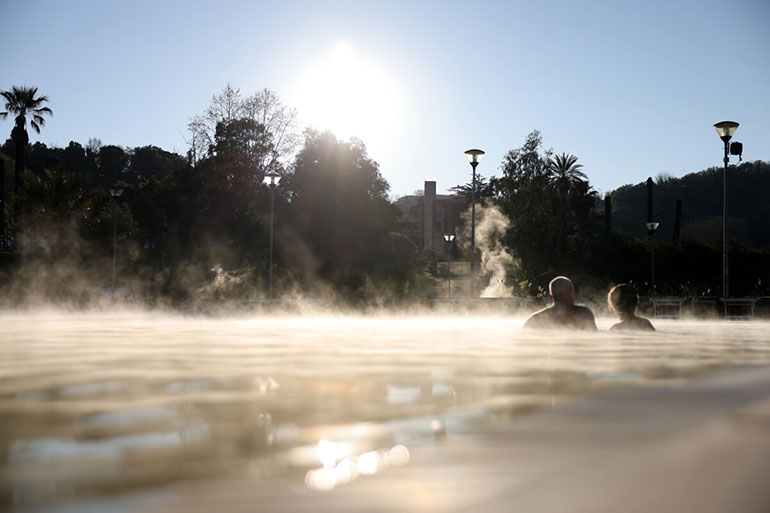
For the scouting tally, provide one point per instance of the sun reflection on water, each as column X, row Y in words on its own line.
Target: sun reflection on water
column 368, row 463
column 330, row 452
column 159, row 399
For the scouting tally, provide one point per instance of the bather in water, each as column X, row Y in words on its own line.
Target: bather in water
column 563, row 313
column 624, row 301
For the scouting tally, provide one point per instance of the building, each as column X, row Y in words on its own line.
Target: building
column 426, row 218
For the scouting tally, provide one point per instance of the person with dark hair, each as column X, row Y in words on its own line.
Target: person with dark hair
column 563, row 313
column 624, row 301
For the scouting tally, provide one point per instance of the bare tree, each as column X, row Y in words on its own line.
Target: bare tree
column 263, row 107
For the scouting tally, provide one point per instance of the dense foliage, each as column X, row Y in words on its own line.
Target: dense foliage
column 197, row 227
column 559, row 226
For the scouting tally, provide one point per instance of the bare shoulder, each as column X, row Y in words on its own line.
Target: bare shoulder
column 589, row 322
column 647, row 325
column 538, row 318
column 635, row 324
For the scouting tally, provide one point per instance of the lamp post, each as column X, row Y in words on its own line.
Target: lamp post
column 726, row 130
column 651, row 228
column 116, row 193
column 449, row 237
column 474, row 156
column 271, row 180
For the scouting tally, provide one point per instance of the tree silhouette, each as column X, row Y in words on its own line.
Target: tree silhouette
column 525, row 197
column 484, row 189
column 565, row 177
column 57, row 193
column 263, row 108
column 339, row 206
column 564, row 174
column 22, row 102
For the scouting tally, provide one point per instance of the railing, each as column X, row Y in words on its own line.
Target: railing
column 739, row 307
column 661, row 305
column 734, row 308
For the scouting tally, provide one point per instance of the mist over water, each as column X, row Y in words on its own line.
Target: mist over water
column 106, row 405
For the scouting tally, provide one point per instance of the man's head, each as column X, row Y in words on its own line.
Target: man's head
column 561, row 291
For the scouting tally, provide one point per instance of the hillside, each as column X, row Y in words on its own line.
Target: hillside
column 748, row 186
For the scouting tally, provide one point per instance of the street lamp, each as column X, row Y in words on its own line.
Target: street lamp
column 271, row 180
column 116, row 193
column 725, row 131
column 474, row 156
column 651, row 228
column 449, row 237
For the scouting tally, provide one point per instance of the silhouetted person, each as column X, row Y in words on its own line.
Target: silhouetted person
column 563, row 313
column 624, row 301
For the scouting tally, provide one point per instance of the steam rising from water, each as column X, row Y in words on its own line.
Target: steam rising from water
column 496, row 259
column 110, row 404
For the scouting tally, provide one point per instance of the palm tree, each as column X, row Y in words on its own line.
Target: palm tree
column 22, row 102
column 564, row 176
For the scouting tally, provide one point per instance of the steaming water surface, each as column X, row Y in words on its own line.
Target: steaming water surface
column 107, row 406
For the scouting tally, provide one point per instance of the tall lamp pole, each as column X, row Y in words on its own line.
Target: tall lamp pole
column 116, row 193
column 449, row 237
column 651, row 228
column 271, row 180
column 474, row 156
column 725, row 131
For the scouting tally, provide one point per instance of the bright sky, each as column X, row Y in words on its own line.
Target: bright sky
column 632, row 89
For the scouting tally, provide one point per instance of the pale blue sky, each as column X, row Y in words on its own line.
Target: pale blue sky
column 632, row 89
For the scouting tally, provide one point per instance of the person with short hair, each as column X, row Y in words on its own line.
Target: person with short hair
column 624, row 301
column 563, row 312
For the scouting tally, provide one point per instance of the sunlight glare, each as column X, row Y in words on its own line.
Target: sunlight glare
column 351, row 94
column 330, row 452
column 398, row 456
column 322, row 480
column 369, row 463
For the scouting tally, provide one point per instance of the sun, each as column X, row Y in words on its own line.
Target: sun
column 350, row 94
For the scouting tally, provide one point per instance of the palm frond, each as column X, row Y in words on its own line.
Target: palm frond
column 564, row 173
column 22, row 100
column 10, row 98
